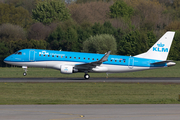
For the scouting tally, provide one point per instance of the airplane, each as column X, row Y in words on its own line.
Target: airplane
column 73, row 62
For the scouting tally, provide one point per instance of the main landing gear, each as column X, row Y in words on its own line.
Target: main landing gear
column 86, row 76
column 25, row 69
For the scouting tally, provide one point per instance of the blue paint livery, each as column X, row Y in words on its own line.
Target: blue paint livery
column 51, row 55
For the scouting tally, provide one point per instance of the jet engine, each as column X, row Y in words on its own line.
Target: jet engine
column 68, row 69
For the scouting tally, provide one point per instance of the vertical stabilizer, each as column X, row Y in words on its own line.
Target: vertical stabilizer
column 160, row 50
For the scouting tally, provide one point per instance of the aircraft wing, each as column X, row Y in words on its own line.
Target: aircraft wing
column 88, row 66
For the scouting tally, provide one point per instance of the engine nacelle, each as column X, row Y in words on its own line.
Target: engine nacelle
column 68, row 69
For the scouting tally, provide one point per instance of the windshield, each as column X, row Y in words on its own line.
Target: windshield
column 19, row 53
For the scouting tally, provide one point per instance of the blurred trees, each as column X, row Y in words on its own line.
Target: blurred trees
column 10, row 32
column 175, row 49
column 100, row 44
column 64, row 39
column 90, row 12
column 149, row 15
column 175, row 25
column 136, row 42
column 14, row 15
column 55, row 24
column 4, row 52
column 120, row 9
column 50, row 11
column 39, row 31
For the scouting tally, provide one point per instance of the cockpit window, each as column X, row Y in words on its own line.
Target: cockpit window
column 19, row 53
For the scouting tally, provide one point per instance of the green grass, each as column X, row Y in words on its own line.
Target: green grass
column 16, row 72
column 88, row 93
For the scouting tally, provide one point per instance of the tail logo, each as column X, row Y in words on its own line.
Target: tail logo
column 160, row 48
column 160, row 45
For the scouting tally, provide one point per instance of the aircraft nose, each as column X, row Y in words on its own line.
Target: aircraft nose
column 8, row 59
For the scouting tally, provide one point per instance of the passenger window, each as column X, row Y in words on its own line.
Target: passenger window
column 79, row 57
column 111, row 60
column 39, row 54
column 119, row 60
column 52, row 55
column 69, row 57
column 84, row 58
column 115, row 60
column 57, row 56
column 66, row 57
column 74, row 57
column 48, row 55
column 93, row 59
column 88, row 58
column 97, row 59
column 61, row 56
column 44, row 55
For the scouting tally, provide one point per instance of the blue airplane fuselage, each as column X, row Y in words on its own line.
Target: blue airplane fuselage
column 54, row 59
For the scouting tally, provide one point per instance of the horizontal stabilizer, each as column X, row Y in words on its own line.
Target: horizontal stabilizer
column 162, row 62
column 169, row 63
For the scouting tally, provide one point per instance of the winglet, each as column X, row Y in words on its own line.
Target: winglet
column 94, row 64
column 105, row 57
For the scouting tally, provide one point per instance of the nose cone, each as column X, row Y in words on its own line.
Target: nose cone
column 8, row 59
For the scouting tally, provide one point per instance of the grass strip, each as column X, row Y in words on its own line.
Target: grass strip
column 88, row 93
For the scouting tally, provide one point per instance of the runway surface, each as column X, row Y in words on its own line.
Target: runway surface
column 128, row 80
column 90, row 112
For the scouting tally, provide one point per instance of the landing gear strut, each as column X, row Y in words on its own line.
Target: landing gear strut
column 86, row 76
column 25, row 69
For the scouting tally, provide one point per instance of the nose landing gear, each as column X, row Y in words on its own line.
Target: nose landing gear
column 24, row 73
column 25, row 69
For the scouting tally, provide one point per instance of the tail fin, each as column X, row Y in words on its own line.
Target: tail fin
column 160, row 50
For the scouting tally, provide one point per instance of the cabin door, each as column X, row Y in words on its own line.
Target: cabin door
column 31, row 55
column 131, row 62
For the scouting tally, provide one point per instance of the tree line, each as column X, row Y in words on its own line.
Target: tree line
column 126, row 27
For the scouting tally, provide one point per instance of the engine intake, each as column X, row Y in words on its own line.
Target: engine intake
column 68, row 69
